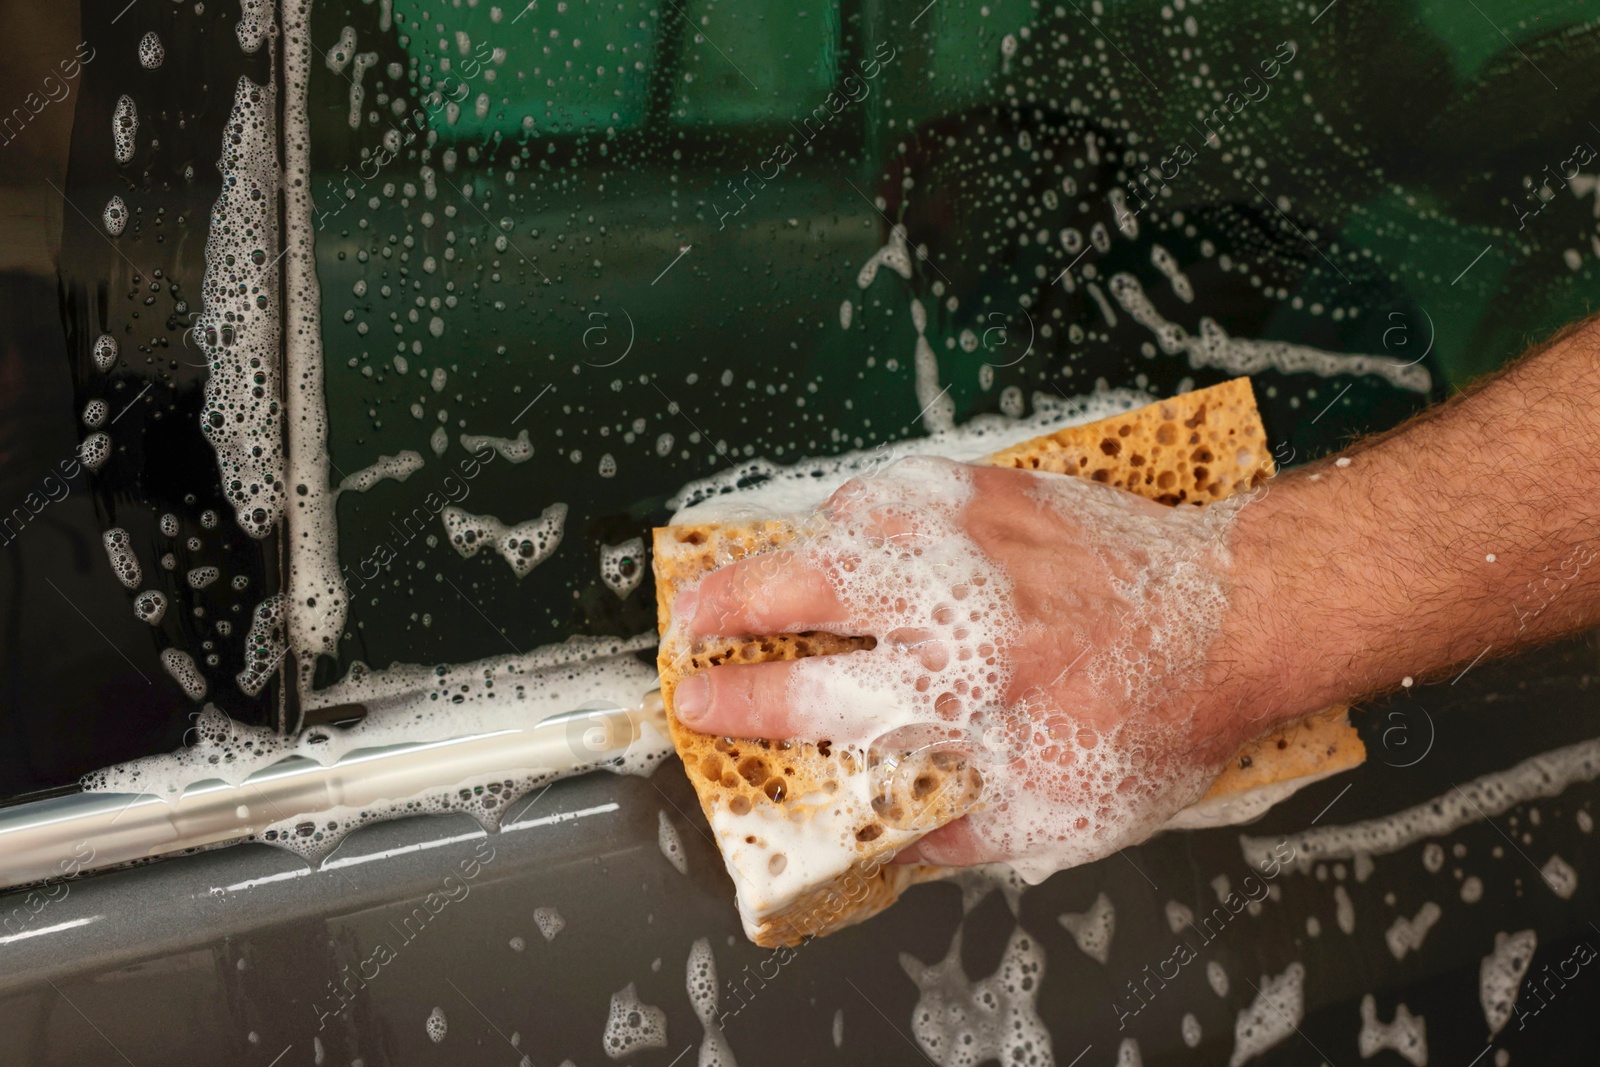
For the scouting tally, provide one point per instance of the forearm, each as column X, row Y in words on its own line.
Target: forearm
column 1472, row 528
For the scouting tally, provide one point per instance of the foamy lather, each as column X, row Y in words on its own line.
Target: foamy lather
column 948, row 641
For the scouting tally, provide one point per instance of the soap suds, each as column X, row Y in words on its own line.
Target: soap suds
column 397, row 468
column 1406, row 935
column 671, row 844
column 237, row 329
column 119, row 550
column 1560, row 877
column 124, row 128
column 1407, row 1035
column 1212, row 347
column 549, row 921
column 960, row 1022
column 180, row 665
column 1278, row 1009
column 703, row 995
column 436, row 1025
column 1092, row 929
column 1545, row 775
column 516, row 450
column 622, row 566
column 633, row 1025
column 523, row 546
column 1217, row 978
column 1500, row 976
column 1344, row 910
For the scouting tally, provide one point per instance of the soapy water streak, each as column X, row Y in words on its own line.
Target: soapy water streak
column 960, row 636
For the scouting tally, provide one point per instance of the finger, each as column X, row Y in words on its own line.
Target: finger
column 955, row 844
column 777, row 592
column 740, row 700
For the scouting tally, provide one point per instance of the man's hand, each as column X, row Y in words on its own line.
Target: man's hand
column 1057, row 632
column 1100, row 656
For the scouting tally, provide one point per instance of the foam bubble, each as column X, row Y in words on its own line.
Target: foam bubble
column 838, row 1028
column 1544, row 775
column 150, row 606
column 1128, row 1054
column 523, row 546
column 1190, row 1028
column 1217, row 978
column 701, row 981
column 119, row 549
column 1407, row 1035
column 436, row 1025
column 94, row 413
column 1344, row 910
column 105, row 352
column 633, row 1025
column 124, row 128
column 622, row 566
column 200, row 577
column 264, row 645
column 958, row 1021
column 1405, row 935
column 115, row 216
column 1560, row 877
column 549, row 921
column 169, row 524
column 1212, row 347
column 1179, row 916
column 238, row 327
column 1092, row 929
column 341, row 51
column 398, row 468
column 151, row 52
column 671, row 844
column 512, row 450
column 1500, row 976
column 180, row 665
column 1279, row 1007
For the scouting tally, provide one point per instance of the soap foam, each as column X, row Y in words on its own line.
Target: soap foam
column 959, row 1022
column 1278, row 1009
column 512, row 450
column 633, row 1025
column 124, row 128
column 1212, row 347
column 549, row 921
column 671, row 844
column 151, row 52
column 523, row 546
column 704, row 993
column 119, row 549
column 1500, row 976
column 397, row 468
column 237, row 329
column 1092, row 929
column 1405, row 935
column 1407, row 1035
column 1544, row 775
column 622, row 566
column 180, row 665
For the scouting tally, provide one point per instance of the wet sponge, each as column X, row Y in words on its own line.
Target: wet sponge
column 763, row 797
